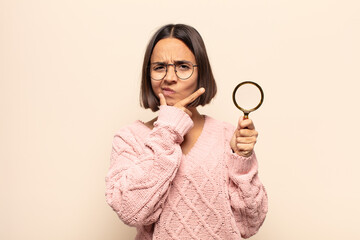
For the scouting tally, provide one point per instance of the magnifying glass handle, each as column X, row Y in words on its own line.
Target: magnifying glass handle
column 246, row 116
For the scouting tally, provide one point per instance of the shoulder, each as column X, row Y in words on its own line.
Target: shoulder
column 130, row 134
column 133, row 128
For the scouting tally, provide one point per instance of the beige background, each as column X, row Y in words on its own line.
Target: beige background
column 69, row 78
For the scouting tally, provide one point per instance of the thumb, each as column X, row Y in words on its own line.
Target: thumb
column 238, row 128
column 241, row 118
column 162, row 99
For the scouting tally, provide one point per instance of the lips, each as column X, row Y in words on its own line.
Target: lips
column 167, row 91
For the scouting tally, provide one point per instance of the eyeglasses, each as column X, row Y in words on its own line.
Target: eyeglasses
column 183, row 70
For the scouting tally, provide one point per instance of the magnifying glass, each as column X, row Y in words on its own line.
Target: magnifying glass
column 248, row 96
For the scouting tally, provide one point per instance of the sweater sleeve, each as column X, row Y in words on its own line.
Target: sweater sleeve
column 140, row 174
column 248, row 198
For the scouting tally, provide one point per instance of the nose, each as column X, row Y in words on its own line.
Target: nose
column 170, row 74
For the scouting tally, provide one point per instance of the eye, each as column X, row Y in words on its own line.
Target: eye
column 184, row 66
column 159, row 67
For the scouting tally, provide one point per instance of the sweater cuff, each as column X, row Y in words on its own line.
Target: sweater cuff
column 242, row 165
column 175, row 119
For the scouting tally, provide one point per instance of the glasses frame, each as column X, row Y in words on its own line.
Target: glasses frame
column 174, row 65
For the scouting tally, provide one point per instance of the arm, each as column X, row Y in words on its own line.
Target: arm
column 248, row 198
column 139, row 176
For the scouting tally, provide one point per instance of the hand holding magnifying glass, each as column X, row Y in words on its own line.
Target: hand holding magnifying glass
column 247, row 96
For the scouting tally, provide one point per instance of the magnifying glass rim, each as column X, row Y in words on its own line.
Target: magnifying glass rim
column 252, row 109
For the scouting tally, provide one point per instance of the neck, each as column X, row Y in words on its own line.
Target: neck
column 196, row 116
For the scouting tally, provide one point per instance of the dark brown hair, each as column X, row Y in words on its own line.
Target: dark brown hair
column 194, row 42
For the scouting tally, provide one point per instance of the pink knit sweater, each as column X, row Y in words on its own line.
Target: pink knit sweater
column 209, row 193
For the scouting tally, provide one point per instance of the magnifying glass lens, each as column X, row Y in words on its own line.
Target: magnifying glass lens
column 248, row 96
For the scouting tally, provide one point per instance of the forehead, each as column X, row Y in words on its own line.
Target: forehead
column 171, row 49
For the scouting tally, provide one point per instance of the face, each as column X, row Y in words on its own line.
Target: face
column 170, row 51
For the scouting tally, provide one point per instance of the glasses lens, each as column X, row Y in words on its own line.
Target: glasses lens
column 184, row 70
column 157, row 71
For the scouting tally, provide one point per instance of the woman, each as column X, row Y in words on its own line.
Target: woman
column 184, row 175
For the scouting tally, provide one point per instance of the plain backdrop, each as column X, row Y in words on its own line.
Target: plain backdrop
column 70, row 77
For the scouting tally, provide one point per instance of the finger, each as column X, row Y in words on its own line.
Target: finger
column 247, row 133
column 192, row 97
column 246, row 140
column 162, row 99
column 245, row 153
column 247, row 123
column 245, row 147
column 241, row 119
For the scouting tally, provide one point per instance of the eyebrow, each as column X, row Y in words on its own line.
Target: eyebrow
column 176, row 62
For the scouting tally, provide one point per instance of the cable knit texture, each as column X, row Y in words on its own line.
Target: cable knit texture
column 209, row 193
